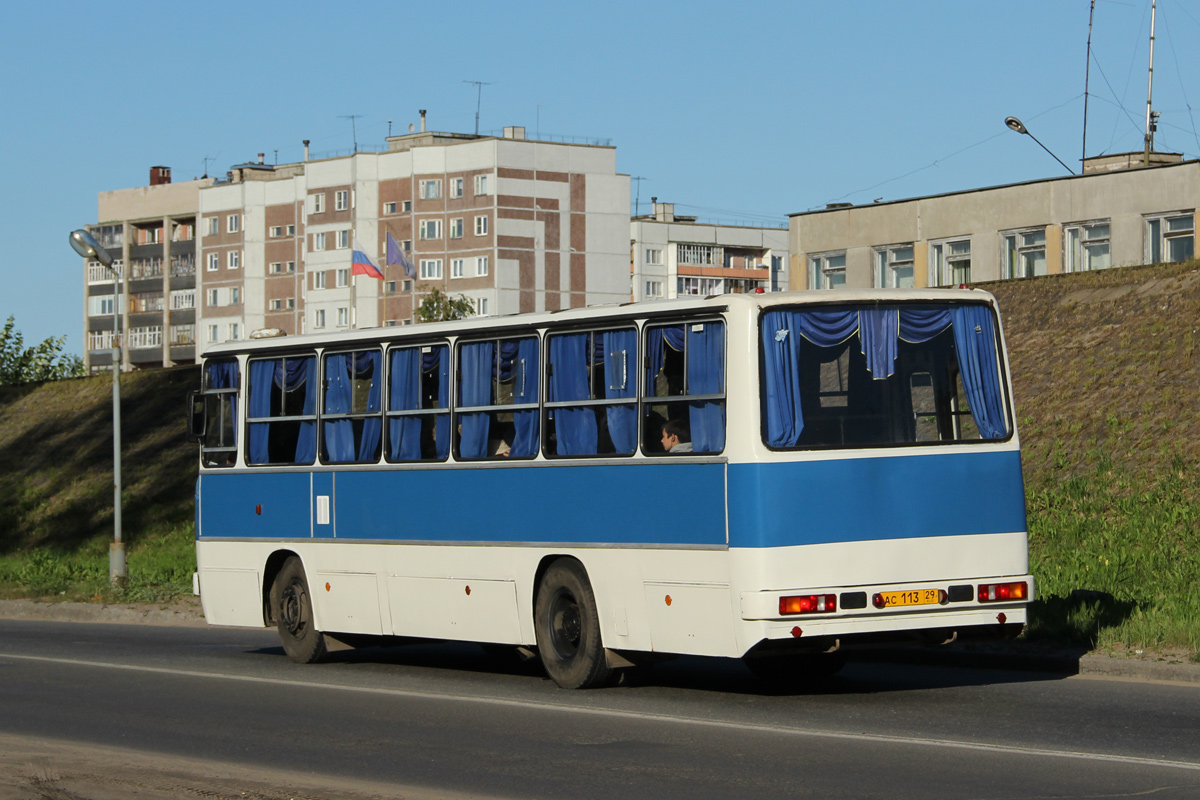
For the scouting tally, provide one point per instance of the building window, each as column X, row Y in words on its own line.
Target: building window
column 214, row 297
column 343, row 278
column 234, row 331
column 894, row 267
column 456, row 187
column 481, row 265
column 319, row 280
column 481, row 226
column 950, row 263
column 702, row 255
column 1170, row 237
column 343, row 240
column 827, row 271
column 653, row 256
column 276, row 304
column 316, row 203
column 698, row 286
column 341, row 200
column 214, row 226
column 1086, row 247
column 318, row 241
column 212, row 334
column 406, row 286
column 389, row 323
column 389, row 287
column 235, row 295
column 481, row 184
column 100, row 305
column 214, row 262
column 456, row 267
column 291, row 230
column 431, row 229
column 235, row 259
column 481, row 306
column 276, row 231
column 406, row 206
column 1024, row 253
column 343, row 316
column 319, row 318
column 235, row 223
column 456, row 228
column 389, row 208
column 276, row 268
column 431, row 268
column 654, row 288
column 430, row 189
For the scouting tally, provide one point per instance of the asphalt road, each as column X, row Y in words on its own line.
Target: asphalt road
column 431, row 719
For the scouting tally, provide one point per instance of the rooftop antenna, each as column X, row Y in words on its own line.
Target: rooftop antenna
column 478, row 100
column 1151, row 117
column 206, row 160
column 353, row 127
column 638, row 201
column 1087, row 71
column 277, row 156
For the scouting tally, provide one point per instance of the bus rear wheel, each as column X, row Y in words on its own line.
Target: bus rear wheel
column 567, row 627
column 292, row 607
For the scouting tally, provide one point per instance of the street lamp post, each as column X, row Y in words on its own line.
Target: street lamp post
column 1016, row 125
column 86, row 245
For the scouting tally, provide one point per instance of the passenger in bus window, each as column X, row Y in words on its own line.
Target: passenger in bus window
column 675, row 437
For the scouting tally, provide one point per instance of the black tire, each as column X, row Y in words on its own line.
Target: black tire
column 292, row 606
column 795, row 671
column 567, row 627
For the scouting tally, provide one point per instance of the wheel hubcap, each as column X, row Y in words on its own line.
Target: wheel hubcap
column 291, row 609
column 566, row 625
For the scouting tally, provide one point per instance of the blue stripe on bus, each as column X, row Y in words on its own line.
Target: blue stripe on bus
column 865, row 499
column 627, row 504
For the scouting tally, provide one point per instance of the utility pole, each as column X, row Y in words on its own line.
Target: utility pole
column 478, row 100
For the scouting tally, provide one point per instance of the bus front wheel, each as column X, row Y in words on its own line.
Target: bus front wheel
column 292, row 606
column 567, row 627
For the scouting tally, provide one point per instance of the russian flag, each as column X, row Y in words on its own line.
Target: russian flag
column 361, row 264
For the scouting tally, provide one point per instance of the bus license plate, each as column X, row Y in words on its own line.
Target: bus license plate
column 915, row 597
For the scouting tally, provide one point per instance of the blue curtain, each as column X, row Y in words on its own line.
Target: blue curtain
column 575, row 428
column 262, row 375
column 475, row 389
column 404, row 433
column 366, row 367
column 922, row 324
column 620, row 370
column 974, row 339
column 525, row 371
column 222, row 374
column 339, row 398
column 672, row 336
column 292, row 375
column 878, row 329
column 706, row 375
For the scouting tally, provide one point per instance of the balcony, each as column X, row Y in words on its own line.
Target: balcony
column 142, row 268
column 182, row 335
column 145, row 338
column 183, row 265
column 184, row 298
column 99, row 340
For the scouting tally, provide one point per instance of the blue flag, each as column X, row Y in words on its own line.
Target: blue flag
column 397, row 257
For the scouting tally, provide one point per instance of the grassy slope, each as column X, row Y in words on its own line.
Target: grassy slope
column 1106, row 371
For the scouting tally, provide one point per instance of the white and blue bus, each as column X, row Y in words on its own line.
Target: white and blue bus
column 779, row 477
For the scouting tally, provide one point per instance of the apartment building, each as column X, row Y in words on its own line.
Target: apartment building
column 151, row 233
column 1119, row 212
column 675, row 256
column 513, row 224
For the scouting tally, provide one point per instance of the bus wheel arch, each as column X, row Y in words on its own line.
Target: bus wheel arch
column 291, row 606
column 271, row 570
column 566, row 623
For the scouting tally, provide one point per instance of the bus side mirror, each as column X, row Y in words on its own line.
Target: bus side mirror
column 196, row 416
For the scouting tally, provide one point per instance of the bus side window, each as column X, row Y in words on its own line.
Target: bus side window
column 218, row 447
column 418, row 420
column 282, row 414
column 352, row 407
column 497, row 408
column 685, row 385
column 592, row 393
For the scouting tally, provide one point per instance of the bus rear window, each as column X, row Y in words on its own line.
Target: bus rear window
column 865, row 377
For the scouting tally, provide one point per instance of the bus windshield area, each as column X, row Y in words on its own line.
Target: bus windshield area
column 847, row 377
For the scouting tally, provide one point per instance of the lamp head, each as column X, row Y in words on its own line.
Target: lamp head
column 86, row 245
column 1015, row 124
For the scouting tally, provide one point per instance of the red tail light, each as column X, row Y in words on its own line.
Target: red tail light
column 1003, row 592
column 808, row 604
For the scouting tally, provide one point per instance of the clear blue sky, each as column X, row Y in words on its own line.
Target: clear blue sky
column 746, row 111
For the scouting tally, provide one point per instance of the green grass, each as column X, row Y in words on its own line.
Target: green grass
column 160, row 566
column 1117, row 558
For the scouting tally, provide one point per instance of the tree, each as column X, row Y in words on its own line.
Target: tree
column 43, row 362
column 439, row 306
